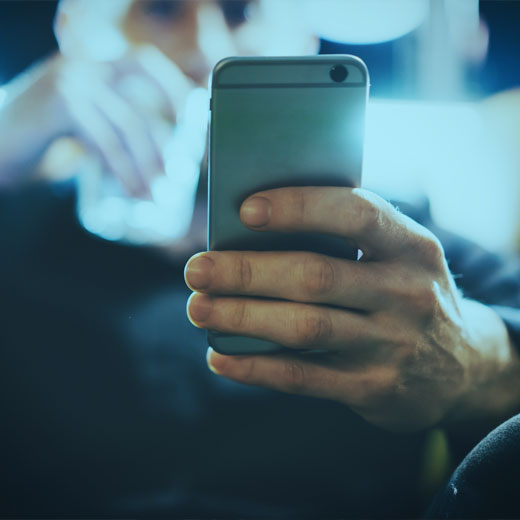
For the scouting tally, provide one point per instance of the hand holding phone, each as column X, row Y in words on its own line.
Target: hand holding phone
column 396, row 338
column 398, row 343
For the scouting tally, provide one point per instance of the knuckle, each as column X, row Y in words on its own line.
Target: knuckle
column 249, row 371
column 425, row 299
column 312, row 329
column 430, row 251
column 294, row 377
column 240, row 316
column 370, row 214
column 318, row 276
column 298, row 203
column 377, row 388
column 244, row 272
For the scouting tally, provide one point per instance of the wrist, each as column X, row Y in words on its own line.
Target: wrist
column 33, row 116
column 492, row 367
column 50, row 103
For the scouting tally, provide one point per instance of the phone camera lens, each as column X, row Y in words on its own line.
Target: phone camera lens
column 338, row 73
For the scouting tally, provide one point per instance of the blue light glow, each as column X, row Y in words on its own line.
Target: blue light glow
column 364, row 21
column 455, row 155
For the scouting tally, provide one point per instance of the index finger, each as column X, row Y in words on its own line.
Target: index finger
column 171, row 82
column 352, row 213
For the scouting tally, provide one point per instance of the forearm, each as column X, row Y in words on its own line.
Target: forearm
column 492, row 391
column 30, row 120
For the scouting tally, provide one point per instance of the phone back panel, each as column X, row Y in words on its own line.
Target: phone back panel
column 279, row 122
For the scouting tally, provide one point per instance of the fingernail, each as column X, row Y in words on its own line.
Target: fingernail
column 256, row 212
column 198, row 272
column 214, row 360
column 199, row 307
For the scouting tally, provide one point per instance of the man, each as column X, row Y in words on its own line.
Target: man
column 122, row 418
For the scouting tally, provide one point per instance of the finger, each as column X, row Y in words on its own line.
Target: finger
column 289, row 374
column 99, row 134
column 367, row 391
column 297, row 276
column 374, row 224
column 127, row 124
column 294, row 325
column 80, row 85
column 173, row 85
column 140, row 94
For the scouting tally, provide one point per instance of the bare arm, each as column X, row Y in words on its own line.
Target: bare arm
column 30, row 120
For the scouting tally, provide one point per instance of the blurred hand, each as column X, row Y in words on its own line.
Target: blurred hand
column 122, row 111
column 402, row 347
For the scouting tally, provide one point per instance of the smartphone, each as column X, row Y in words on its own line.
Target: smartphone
column 278, row 122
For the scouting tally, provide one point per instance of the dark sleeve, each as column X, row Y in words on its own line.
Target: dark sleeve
column 489, row 278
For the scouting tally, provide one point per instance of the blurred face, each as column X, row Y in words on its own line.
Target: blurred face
column 195, row 34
